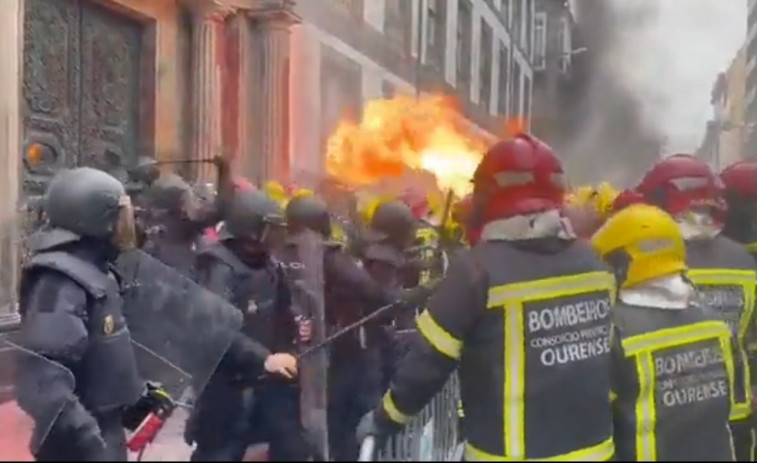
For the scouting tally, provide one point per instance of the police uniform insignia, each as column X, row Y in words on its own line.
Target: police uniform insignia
column 252, row 307
column 108, row 325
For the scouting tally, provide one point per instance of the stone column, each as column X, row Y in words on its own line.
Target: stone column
column 269, row 81
column 11, row 50
column 208, row 22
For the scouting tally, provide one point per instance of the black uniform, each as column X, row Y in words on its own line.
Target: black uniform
column 237, row 407
column 354, row 379
column 174, row 222
column 526, row 336
column 71, row 311
column 724, row 273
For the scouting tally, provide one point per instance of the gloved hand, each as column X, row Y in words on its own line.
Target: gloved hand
column 419, row 295
column 369, row 427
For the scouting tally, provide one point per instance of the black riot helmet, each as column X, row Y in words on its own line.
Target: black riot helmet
column 249, row 216
column 308, row 212
column 169, row 193
column 90, row 203
column 394, row 223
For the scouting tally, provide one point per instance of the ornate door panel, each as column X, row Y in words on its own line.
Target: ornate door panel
column 110, row 81
column 81, row 88
column 51, row 88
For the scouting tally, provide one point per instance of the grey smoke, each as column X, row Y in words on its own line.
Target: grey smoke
column 646, row 91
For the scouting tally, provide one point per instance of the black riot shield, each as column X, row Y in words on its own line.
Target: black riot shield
column 180, row 330
column 36, row 393
column 305, row 271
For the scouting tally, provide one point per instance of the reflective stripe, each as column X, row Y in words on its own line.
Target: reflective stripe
column 646, row 445
column 643, row 347
column 671, row 337
column 511, row 297
column 549, row 288
column 600, row 452
column 438, row 337
column 747, row 279
column 387, row 403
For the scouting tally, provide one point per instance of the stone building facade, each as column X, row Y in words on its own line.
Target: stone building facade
column 104, row 82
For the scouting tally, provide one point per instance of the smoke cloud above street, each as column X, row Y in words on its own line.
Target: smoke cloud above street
column 647, row 85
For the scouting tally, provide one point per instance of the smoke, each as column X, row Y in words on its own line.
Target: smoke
column 651, row 66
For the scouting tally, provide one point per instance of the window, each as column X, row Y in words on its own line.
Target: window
column 504, row 58
column 463, row 44
column 515, row 111
column 528, row 27
column 431, row 19
column 566, row 46
column 394, row 22
column 485, row 65
column 540, row 41
column 516, row 20
column 504, row 13
column 526, row 101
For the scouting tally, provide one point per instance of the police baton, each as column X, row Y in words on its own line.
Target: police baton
column 347, row 329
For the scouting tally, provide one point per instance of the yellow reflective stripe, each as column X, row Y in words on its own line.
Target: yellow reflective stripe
column 671, row 337
column 515, row 372
column 600, row 452
column 646, row 445
column 713, row 276
column 613, row 396
column 387, row 403
column 747, row 279
column 752, row 246
column 737, row 410
column 438, row 337
column 549, row 288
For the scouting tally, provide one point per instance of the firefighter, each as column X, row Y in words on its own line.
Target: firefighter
column 740, row 181
column 526, row 316
column 722, row 269
column 663, row 337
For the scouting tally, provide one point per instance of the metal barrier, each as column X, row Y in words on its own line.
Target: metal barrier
column 432, row 435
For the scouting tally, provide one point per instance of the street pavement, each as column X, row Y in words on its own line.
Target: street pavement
column 15, row 430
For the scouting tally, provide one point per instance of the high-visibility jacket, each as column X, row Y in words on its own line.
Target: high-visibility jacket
column 673, row 383
column 724, row 273
column 530, row 332
column 427, row 238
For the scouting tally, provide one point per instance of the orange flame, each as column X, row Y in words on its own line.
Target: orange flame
column 402, row 137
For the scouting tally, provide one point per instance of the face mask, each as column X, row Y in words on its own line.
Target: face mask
column 698, row 225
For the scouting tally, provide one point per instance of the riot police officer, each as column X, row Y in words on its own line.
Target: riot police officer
column 350, row 293
column 238, row 407
column 510, row 312
column 664, row 337
column 722, row 269
column 70, row 304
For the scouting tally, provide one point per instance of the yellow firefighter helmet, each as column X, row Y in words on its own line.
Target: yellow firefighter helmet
column 645, row 240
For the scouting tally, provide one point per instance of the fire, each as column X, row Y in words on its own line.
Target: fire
column 405, row 137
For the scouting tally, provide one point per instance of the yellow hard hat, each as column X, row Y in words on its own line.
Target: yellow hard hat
column 645, row 237
column 302, row 193
column 275, row 191
column 604, row 198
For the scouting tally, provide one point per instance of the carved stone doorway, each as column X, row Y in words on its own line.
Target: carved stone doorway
column 82, row 89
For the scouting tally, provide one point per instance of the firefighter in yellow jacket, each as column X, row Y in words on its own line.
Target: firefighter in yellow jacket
column 722, row 269
column 673, row 367
column 525, row 317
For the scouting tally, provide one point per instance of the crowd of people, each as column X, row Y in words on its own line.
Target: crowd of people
column 584, row 325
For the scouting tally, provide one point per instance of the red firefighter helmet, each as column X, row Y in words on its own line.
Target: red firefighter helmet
column 680, row 182
column 518, row 176
column 741, row 178
column 626, row 198
column 417, row 201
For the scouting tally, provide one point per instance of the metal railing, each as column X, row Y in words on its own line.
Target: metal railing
column 432, row 435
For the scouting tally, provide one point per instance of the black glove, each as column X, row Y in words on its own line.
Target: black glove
column 418, row 296
column 154, row 399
